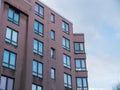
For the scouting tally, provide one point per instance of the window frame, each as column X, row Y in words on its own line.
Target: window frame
column 37, row 51
column 81, row 68
column 65, row 46
column 39, row 75
column 66, row 64
column 38, row 27
column 52, row 18
column 10, row 41
column 15, row 11
column 6, row 84
column 82, row 84
column 66, row 85
column 79, row 51
column 65, row 25
column 9, row 60
column 54, row 53
column 53, row 75
column 52, row 32
column 39, row 10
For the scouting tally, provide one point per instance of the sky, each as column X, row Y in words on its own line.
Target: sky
column 99, row 20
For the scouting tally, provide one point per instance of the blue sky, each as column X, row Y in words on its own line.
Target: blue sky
column 99, row 20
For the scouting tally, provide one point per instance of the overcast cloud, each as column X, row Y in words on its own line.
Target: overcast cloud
column 99, row 20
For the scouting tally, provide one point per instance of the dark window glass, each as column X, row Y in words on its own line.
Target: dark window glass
column 52, row 35
column 65, row 27
column 82, row 84
column 13, row 16
column 6, row 83
column 52, row 18
column 52, row 53
column 67, row 81
column 11, row 36
column 37, row 69
column 66, row 43
column 38, row 28
column 79, row 48
column 67, row 61
column 80, row 65
column 39, row 10
column 9, row 59
column 38, row 47
column 36, row 87
column 52, row 73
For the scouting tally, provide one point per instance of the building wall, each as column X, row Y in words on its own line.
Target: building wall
column 23, row 73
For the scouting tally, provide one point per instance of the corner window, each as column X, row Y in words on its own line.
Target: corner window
column 38, row 47
column 52, row 73
column 37, row 69
column 39, row 10
column 36, row 87
column 52, row 53
column 80, row 65
column 52, row 18
column 9, row 59
column 79, row 47
column 38, row 28
column 13, row 16
column 67, row 61
column 11, row 36
column 6, row 83
column 65, row 27
column 66, row 43
column 67, row 80
column 82, row 84
column 52, row 34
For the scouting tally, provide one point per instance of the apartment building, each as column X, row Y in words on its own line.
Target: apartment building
column 38, row 50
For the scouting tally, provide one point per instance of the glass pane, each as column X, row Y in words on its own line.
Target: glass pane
column 14, row 36
column 67, row 44
column 63, row 25
column 84, row 82
column 40, row 28
column 83, row 63
column 81, row 46
column 65, row 78
column 40, row 48
column 10, row 13
column 52, row 73
column 77, row 46
column 10, row 84
column 33, row 87
column 36, row 26
column 41, row 11
column 52, row 34
column 67, row 28
column 68, row 61
column 69, row 79
column 35, row 44
column 8, row 33
column 39, row 88
column 16, row 18
column 6, row 56
column 77, row 63
column 3, row 83
column 63, row 41
column 39, row 68
column 12, row 59
column 35, row 67
column 36, row 7
column 64, row 58
column 79, row 82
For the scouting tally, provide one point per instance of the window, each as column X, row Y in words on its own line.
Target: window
column 66, row 60
column 52, row 18
column 39, row 10
column 13, row 16
column 80, row 65
column 66, row 43
column 6, row 83
column 79, row 48
column 38, row 28
column 9, row 59
column 36, row 87
column 52, row 53
column 38, row 47
column 65, row 27
column 37, row 69
column 82, row 84
column 52, row 73
column 11, row 36
column 52, row 35
column 67, row 81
